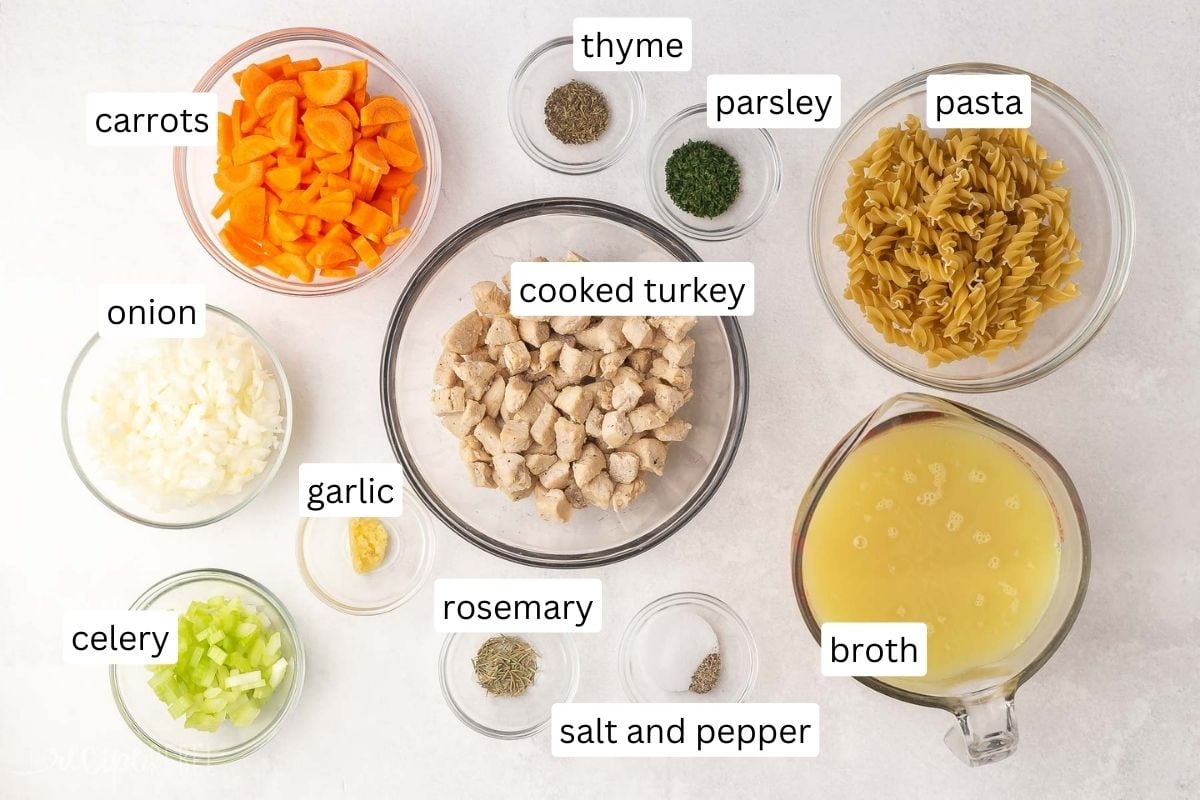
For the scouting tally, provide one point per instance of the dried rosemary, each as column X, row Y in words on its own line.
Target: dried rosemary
column 707, row 674
column 576, row 113
column 703, row 179
column 505, row 666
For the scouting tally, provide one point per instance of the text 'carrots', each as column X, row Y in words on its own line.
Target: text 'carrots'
column 315, row 174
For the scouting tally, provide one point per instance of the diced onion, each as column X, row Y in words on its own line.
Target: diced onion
column 186, row 420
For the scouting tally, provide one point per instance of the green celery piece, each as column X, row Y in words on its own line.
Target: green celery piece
column 217, row 654
column 278, row 670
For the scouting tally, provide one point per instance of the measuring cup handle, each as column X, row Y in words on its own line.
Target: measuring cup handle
column 986, row 731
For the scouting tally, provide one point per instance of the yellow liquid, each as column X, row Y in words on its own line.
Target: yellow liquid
column 934, row 522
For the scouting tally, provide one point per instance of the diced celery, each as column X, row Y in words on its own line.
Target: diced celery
column 230, row 662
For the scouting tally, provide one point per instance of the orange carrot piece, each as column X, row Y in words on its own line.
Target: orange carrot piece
column 274, row 93
column 252, row 148
column 305, row 164
column 248, row 212
column 240, row 247
column 338, row 231
column 233, row 179
column 222, row 206
column 338, row 272
column 398, row 155
column 371, row 155
column 331, row 252
column 274, row 67
column 396, row 179
column 224, row 134
column 250, row 119
column 254, row 80
column 326, row 87
column 283, row 179
column 365, row 217
column 235, row 121
column 348, row 111
column 370, row 184
column 282, row 127
column 281, row 229
column 383, row 111
column 338, row 162
column 410, row 192
column 395, row 211
column 334, row 208
column 359, row 98
column 328, row 130
column 366, row 252
column 295, row 68
column 396, row 236
column 357, row 68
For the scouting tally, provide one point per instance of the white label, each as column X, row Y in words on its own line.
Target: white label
column 978, row 101
column 685, row 730
column 152, row 119
column 520, row 605
column 351, row 490
column 774, row 101
column 120, row 637
column 632, row 288
column 636, row 44
column 874, row 649
column 151, row 310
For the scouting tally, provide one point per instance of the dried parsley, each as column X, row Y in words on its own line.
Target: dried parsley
column 706, row 675
column 576, row 113
column 703, row 179
column 505, row 666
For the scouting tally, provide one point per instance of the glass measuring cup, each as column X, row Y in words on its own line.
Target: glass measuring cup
column 983, row 702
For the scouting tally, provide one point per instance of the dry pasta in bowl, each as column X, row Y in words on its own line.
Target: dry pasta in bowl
column 957, row 244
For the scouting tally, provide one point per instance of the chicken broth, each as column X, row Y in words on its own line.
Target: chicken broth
column 936, row 522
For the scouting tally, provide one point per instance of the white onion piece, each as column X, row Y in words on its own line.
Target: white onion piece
column 187, row 420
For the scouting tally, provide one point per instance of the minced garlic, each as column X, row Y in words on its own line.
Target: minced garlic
column 368, row 543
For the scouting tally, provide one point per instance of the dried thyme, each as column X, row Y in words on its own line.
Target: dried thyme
column 703, row 179
column 505, row 666
column 576, row 113
column 707, row 674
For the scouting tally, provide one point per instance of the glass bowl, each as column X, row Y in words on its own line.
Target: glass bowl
column 92, row 368
column 147, row 716
column 739, row 653
column 755, row 151
column 194, row 166
column 1102, row 217
column 323, row 549
column 556, row 681
column 439, row 293
column 549, row 67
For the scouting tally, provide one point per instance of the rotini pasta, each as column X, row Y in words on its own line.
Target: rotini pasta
column 956, row 245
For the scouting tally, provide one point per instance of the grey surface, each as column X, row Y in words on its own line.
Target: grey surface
column 1113, row 715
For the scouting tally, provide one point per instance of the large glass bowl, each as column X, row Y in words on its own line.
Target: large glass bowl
column 94, row 367
column 194, row 166
column 1102, row 217
column 440, row 293
column 148, row 717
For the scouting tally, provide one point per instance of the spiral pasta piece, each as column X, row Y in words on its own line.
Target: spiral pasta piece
column 956, row 245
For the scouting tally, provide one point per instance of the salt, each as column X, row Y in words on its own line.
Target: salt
column 672, row 646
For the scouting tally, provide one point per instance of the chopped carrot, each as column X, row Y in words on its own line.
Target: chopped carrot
column 294, row 68
column 396, row 236
column 232, row 180
column 274, row 93
column 248, row 212
column 316, row 176
column 359, row 70
column 326, row 87
column 328, row 130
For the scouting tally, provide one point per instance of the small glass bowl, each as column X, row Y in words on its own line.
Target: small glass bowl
column 556, row 681
column 549, row 67
column 739, row 653
column 439, row 293
column 1101, row 216
column 323, row 549
column 92, row 368
column 756, row 153
column 147, row 716
column 194, row 166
